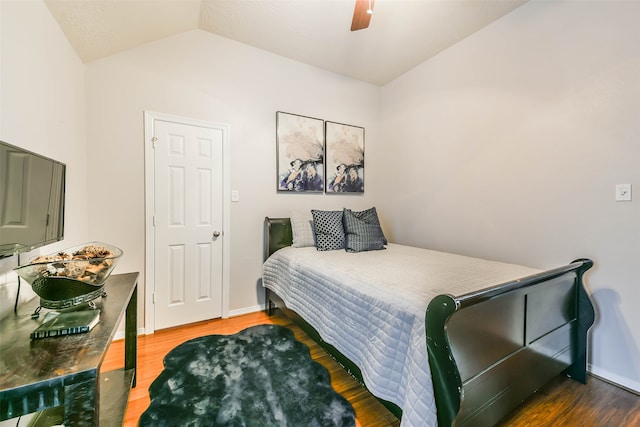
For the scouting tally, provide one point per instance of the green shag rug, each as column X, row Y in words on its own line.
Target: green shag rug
column 261, row 376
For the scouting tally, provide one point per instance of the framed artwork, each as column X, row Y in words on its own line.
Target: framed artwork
column 300, row 153
column 345, row 158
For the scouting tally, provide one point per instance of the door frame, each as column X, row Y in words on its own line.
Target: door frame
column 149, row 128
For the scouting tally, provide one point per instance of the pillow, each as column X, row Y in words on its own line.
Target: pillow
column 362, row 231
column 302, row 229
column 328, row 230
column 370, row 216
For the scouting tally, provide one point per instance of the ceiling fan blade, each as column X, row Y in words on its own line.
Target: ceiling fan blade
column 361, row 15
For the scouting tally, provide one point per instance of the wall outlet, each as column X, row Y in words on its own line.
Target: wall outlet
column 623, row 192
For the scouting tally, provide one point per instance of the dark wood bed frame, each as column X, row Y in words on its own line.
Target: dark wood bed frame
column 492, row 349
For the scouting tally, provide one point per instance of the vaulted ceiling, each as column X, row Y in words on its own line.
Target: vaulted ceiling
column 402, row 33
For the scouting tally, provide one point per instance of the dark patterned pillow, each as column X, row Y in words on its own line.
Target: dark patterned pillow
column 370, row 216
column 362, row 232
column 328, row 229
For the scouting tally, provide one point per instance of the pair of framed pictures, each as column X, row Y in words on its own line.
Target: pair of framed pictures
column 318, row 156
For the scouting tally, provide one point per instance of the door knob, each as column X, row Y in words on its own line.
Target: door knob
column 216, row 234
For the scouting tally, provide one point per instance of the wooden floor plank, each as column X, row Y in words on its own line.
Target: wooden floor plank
column 563, row 402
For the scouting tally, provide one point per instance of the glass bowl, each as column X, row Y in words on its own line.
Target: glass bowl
column 71, row 277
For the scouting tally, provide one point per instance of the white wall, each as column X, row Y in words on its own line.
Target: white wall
column 42, row 110
column 518, row 133
column 206, row 77
column 509, row 145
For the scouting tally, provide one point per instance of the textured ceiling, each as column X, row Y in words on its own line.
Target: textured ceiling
column 402, row 33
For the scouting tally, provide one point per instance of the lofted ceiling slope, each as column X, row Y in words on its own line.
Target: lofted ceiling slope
column 402, row 33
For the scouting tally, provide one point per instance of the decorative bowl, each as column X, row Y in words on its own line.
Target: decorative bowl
column 71, row 277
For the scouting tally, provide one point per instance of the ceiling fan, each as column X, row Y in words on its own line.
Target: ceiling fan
column 362, row 14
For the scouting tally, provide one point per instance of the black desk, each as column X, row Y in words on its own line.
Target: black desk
column 65, row 371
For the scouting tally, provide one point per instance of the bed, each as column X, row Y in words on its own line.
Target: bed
column 465, row 350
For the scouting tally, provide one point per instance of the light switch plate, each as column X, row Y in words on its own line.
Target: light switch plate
column 623, row 192
column 235, row 196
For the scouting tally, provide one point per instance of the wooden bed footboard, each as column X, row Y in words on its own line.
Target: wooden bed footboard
column 490, row 350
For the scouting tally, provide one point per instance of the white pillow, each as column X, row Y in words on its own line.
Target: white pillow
column 302, row 229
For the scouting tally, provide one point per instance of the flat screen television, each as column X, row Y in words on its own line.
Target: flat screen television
column 32, row 193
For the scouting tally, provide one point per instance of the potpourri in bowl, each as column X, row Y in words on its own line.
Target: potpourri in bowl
column 71, row 277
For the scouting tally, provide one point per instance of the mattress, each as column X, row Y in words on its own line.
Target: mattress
column 371, row 306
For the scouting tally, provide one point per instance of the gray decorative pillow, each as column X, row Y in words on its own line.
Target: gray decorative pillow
column 302, row 229
column 362, row 232
column 328, row 230
column 370, row 216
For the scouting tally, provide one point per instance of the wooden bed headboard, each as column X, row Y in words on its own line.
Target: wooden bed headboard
column 278, row 234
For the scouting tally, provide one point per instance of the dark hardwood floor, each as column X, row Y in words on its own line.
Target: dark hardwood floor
column 564, row 402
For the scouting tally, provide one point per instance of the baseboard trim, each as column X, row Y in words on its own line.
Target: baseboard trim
column 246, row 310
column 615, row 380
column 120, row 334
column 141, row 331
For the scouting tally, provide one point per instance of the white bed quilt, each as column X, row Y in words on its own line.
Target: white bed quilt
column 371, row 306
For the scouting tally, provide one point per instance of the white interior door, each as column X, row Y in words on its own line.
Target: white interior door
column 188, row 199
